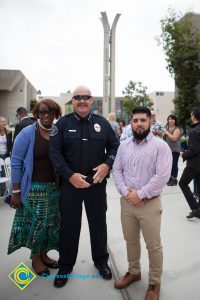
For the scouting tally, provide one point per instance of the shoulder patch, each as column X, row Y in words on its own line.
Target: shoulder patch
column 54, row 131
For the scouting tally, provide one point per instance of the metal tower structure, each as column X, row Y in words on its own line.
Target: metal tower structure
column 109, row 64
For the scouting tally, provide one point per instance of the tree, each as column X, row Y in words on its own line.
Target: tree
column 32, row 104
column 135, row 95
column 181, row 44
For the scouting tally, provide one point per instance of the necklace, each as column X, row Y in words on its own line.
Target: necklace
column 48, row 129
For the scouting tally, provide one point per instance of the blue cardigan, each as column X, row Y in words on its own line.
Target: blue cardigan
column 22, row 160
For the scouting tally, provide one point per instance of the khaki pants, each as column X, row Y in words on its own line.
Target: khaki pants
column 148, row 219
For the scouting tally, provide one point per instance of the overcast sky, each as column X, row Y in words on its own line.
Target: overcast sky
column 58, row 44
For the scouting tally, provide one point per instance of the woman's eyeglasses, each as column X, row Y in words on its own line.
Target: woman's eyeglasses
column 42, row 113
column 80, row 97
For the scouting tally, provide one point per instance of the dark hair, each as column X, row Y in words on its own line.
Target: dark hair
column 142, row 110
column 196, row 112
column 21, row 111
column 51, row 104
column 173, row 117
column 123, row 122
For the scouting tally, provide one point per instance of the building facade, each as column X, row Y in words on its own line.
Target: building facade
column 15, row 91
column 163, row 104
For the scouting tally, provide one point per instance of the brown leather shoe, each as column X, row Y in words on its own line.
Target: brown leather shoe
column 153, row 292
column 127, row 279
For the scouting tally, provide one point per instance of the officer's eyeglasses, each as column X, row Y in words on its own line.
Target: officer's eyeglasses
column 42, row 113
column 84, row 97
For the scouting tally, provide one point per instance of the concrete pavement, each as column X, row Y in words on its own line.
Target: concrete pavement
column 180, row 238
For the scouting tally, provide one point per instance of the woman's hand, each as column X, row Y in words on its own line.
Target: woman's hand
column 16, row 201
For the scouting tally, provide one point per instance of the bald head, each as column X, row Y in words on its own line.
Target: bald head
column 82, row 100
column 81, row 90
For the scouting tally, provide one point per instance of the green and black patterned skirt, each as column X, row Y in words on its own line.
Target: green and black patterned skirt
column 37, row 225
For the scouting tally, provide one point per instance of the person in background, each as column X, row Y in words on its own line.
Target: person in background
column 5, row 139
column 127, row 133
column 122, row 125
column 35, row 195
column 192, row 169
column 196, row 192
column 157, row 127
column 115, row 126
column 140, row 171
column 24, row 120
column 172, row 135
column 5, row 148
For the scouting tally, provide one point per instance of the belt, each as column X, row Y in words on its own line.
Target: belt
column 154, row 197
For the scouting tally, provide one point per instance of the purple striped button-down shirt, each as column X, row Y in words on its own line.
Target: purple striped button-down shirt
column 145, row 167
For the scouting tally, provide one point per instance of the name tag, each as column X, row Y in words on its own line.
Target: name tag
column 72, row 130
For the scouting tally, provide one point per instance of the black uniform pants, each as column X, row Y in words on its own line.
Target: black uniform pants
column 188, row 175
column 95, row 202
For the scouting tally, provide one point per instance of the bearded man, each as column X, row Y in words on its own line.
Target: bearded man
column 141, row 169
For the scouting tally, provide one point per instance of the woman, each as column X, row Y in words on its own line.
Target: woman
column 5, row 139
column 5, row 147
column 115, row 126
column 122, row 125
column 172, row 135
column 35, row 196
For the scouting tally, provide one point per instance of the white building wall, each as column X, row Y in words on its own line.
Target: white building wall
column 21, row 95
column 163, row 104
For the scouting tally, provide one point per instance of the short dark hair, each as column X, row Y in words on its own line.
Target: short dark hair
column 21, row 111
column 196, row 112
column 123, row 122
column 173, row 117
column 142, row 110
column 51, row 104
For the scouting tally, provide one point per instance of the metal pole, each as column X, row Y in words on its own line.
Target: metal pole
column 109, row 64
column 112, row 64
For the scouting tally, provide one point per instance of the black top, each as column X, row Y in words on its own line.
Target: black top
column 67, row 141
column 9, row 144
column 25, row 122
column 192, row 154
column 42, row 166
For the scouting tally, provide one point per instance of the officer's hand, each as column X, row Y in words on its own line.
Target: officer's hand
column 77, row 180
column 102, row 172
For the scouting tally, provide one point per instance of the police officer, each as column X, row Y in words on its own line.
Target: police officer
column 83, row 147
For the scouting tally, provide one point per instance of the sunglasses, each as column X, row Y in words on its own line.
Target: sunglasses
column 46, row 112
column 84, row 97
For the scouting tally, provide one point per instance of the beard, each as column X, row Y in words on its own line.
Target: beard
column 142, row 135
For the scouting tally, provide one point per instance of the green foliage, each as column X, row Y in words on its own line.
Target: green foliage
column 32, row 104
column 181, row 44
column 135, row 95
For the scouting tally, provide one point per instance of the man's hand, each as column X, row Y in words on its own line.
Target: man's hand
column 78, row 181
column 16, row 201
column 133, row 198
column 102, row 172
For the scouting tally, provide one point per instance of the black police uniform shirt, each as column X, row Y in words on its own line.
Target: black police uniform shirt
column 71, row 134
